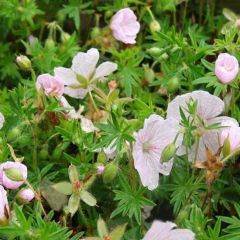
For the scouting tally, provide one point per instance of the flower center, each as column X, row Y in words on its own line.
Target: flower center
column 147, row 147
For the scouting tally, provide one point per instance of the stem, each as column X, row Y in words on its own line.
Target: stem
column 235, row 152
column 200, row 11
column 93, row 102
column 184, row 13
column 197, row 148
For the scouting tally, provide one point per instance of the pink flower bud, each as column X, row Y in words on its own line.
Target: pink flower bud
column 12, row 174
column 124, row 26
column 4, row 208
column 51, row 85
column 226, row 68
column 25, row 196
column 232, row 135
column 100, row 169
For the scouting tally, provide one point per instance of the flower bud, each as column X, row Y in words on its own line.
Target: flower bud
column 164, row 56
column 226, row 68
column 168, row 152
column 24, row 63
column 25, row 196
column 110, row 172
column 155, row 51
column 4, row 208
column 65, row 37
column 50, row 43
column 226, row 147
column 155, row 26
column 148, row 73
column 95, row 32
column 13, row 134
column 173, row 85
column 101, row 158
column 12, row 174
column 43, row 154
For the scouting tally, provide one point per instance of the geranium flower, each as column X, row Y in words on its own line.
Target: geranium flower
column 209, row 107
column 226, row 68
column 124, row 26
column 4, row 208
column 165, row 231
column 83, row 74
column 52, row 86
column 18, row 169
column 156, row 134
column 2, row 120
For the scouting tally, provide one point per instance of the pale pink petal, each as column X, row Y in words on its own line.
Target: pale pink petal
column 84, row 64
column 76, row 92
column 159, row 230
column 180, row 234
column 3, row 204
column 66, row 75
column 104, row 70
column 208, row 106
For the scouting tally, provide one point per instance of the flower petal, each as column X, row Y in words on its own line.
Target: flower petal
column 104, row 70
column 181, row 234
column 66, row 75
column 159, row 230
column 76, row 93
column 84, row 64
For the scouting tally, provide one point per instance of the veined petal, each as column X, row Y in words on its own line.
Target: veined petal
column 181, row 234
column 104, row 70
column 76, row 93
column 66, row 75
column 159, row 230
column 84, row 64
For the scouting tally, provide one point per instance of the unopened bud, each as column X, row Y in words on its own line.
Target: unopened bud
column 226, row 147
column 173, row 85
column 95, row 32
column 155, row 51
column 168, row 152
column 50, row 43
column 110, row 172
column 13, row 134
column 24, row 63
column 14, row 174
column 101, row 158
column 164, row 56
column 155, row 26
column 148, row 74
column 65, row 37
column 25, row 196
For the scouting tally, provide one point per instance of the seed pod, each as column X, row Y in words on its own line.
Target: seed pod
column 168, row 152
column 24, row 63
column 173, row 85
column 110, row 172
column 155, row 26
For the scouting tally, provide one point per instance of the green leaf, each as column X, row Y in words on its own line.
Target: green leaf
column 88, row 198
column 63, row 187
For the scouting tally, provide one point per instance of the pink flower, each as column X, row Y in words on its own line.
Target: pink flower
column 4, row 208
column 2, row 120
column 52, row 86
column 25, row 195
column 83, row 74
column 124, row 26
column 100, row 169
column 156, row 134
column 209, row 107
column 226, row 68
column 233, row 135
column 16, row 166
column 164, row 230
